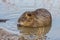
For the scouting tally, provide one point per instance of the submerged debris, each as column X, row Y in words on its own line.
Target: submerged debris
column 3, row 20
column 4, row 35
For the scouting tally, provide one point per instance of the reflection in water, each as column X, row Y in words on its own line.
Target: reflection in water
column 34, row 25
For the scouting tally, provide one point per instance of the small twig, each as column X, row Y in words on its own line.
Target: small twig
column 3, row 20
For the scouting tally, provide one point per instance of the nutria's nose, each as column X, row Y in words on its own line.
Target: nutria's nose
column 18, row 25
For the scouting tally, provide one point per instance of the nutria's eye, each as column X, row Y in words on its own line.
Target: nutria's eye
column 29, row 14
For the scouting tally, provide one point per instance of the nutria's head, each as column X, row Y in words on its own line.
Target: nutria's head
column 26, row 19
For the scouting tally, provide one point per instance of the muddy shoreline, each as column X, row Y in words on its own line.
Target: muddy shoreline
column 5, row 35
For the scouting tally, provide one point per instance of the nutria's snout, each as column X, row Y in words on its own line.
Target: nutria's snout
column 18, row 25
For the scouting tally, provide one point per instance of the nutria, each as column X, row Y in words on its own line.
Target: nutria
column 36, row 22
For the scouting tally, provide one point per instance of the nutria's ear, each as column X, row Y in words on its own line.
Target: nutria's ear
column 29, row 15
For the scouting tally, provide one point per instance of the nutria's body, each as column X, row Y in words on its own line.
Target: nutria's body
column 37, row 22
